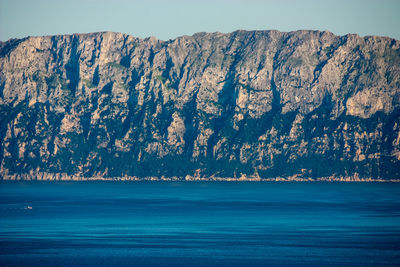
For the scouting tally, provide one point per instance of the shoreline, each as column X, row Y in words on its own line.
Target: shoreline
column 57, row 177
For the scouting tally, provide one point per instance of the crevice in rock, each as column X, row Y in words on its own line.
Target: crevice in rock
column 72, row 68
column 191, row 125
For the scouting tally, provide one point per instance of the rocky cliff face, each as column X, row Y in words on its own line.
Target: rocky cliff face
column 261, row 103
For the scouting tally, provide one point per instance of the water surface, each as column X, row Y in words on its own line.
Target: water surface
column 199, row 224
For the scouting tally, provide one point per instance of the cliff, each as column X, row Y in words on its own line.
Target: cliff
column 263, row 104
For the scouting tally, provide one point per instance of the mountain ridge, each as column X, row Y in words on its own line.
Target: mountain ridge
column 197, row 33
column 112, row 105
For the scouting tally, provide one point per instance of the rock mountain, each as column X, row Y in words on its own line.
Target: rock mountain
column 249, row 103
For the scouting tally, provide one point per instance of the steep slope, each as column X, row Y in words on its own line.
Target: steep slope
column 255, row 103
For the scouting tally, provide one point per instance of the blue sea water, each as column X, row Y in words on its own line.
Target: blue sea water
column 199, row 224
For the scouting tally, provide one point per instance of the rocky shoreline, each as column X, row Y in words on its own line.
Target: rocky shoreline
column 243, row 178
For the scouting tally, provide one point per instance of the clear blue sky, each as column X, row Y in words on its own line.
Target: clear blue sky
column 168, row 19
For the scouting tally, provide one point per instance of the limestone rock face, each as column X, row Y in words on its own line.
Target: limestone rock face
column 263, row 103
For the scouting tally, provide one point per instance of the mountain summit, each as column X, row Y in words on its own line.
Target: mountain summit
column 260, row 104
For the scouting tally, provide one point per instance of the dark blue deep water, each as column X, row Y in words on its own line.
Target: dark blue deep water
column 199, row 224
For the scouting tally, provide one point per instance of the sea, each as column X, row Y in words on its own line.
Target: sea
column 148, row 223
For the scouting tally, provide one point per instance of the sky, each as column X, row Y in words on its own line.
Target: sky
column 168, row 19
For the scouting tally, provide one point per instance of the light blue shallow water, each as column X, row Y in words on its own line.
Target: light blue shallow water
column 199, row 224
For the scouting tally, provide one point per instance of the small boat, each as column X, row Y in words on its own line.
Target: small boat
column 28, row 207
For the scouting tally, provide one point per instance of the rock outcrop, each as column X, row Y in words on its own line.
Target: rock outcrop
column 249, row 103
